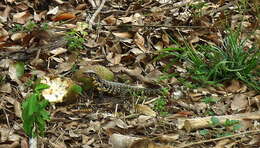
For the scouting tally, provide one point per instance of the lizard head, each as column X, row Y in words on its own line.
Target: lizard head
column 91, row 74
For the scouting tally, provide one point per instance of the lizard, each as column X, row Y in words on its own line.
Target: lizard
column 119, row 88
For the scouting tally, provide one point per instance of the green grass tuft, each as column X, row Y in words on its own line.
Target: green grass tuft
column 211, row 65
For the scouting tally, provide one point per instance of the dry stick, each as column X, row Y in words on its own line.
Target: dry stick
column 217, row 139
column 166, row 26
column 91, row 21
column 93, row 4
column 204, row 122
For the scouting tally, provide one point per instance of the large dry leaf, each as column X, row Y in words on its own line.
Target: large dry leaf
column 144, row 109
column 139, row 41
column 5, row 14
column 123, row 35
column 121, row 141
column 17, row 105
column 5, row 88
column 22, row 17
column 234, row 86
column 18, row 36
column 240, row 102
column 64, row 16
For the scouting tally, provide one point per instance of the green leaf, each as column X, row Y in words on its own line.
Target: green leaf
column 77, row 89
column 204, row 132
column 19, row 69
column 29, row 109
column 34, row 114
column 45, row 115
column 28, row 126
column 30, row 105
column 41, row 124
column 215, row 121
column 44, row 103
column 39, row 87
column 231, row 122
column 237, row 127
column 208, row 100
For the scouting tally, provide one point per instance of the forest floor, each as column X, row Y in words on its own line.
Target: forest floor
column 204, row 54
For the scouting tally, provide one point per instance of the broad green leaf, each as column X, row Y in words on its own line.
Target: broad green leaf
column 39, row 87
column 208, row 100
column 45, row 115
column 237, row 127
column 76, row 89
column 41, row 124
column 43, row 103
column 204, row 132
column 215, row 121
column 19, row 69
column 229, row 122
column 30, row 105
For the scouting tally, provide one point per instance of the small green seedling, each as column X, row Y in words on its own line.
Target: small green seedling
column 204, row 132
column 17, row 28
column 19, row 67
column 28, row 27
column 74, row 40
column 160, row 106
column 34, row 114
column 234, row 124
column 209, row 100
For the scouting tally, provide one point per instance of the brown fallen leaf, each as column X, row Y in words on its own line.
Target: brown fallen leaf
column 64, row 16
column 144, row 109
column 234, row 86
column 139, row 41
column 21, row 17
column 123, row 35
column 17, row 105
column 6, row 88
column 239, row 102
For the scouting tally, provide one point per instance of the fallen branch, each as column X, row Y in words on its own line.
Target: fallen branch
column 91, row 21
column 221, row 138
column 198, row 123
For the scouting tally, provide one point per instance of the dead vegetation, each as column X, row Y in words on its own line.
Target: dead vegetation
column 152, row 43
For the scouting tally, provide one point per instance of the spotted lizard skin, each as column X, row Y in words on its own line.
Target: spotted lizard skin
column 119, row 88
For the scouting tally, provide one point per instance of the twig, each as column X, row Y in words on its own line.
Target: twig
column 204, row 122
column 145, row 25
column 217, row 139
column 7, row 119
column 91, row 21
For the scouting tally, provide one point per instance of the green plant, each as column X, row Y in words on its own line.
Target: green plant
column 17, row 28
column 160, row 106
column 74, row 40
column 28, row 27
column 44, row 26
column 209, row 100
column 2, row 79
column 211, row 65
column 204, row 132
column 230, row 61
column 219, row 129
column 209, row 112
column 20, row 67
column 34, row 115
column 235, row 124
